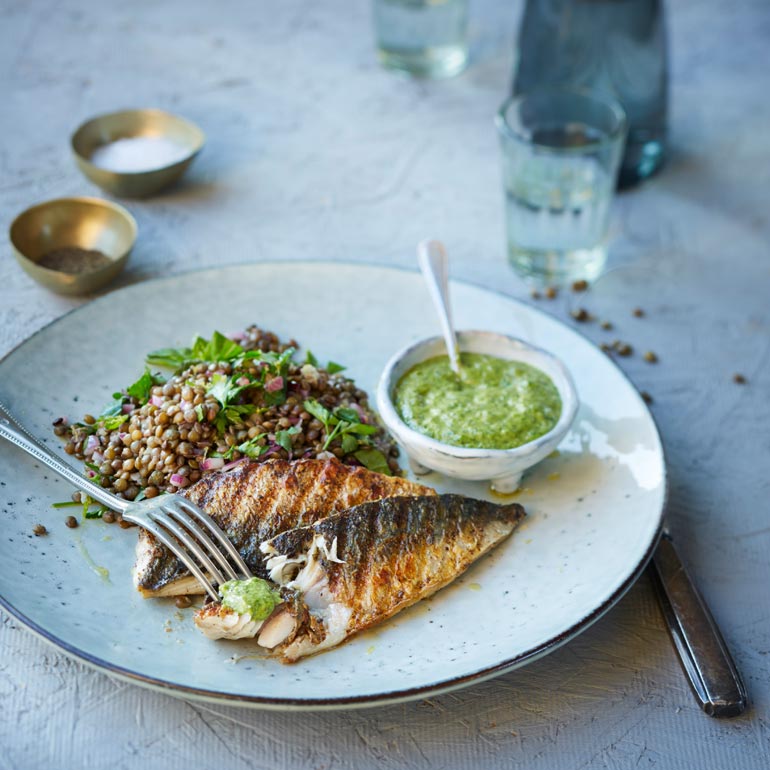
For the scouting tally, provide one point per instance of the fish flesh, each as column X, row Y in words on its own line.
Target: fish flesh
column 254, row 502
column 353, row 569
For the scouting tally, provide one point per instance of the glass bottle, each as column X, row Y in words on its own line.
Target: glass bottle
column 618, row 46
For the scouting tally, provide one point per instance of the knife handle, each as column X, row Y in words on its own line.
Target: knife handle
column 702, row 650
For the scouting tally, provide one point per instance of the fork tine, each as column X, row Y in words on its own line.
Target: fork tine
column 203, row 518
column 173, row 545
column 161, row 516
column 204, row 541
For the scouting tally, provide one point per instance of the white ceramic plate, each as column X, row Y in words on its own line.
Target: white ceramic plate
column 594, row 511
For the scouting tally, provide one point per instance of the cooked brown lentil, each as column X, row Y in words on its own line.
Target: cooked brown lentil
column 739, row 379
column 580, row 314
column 638, row 312
column 71, row 522
column 39, row 530
column 580, row 285
column 646, row 397
column 551, row 292
column 182, row 601
column 165, row 438
column 650, row 357
column 108, row 517
column 624, row 349
column 607, row 325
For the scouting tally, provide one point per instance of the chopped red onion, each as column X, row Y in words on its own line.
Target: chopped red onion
column 97, row 457
column 127, row 408
column 212, row 464
column 179, row 481
column 233, row 464
column 242, row 381
column 156, row 400
column 361, row 413
column 92, row 444
column 273, row 385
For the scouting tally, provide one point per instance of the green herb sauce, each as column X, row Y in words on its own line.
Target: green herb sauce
column 491, row 404
column 253, row 596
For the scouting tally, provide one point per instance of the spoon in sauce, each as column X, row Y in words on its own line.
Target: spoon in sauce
column 434, row 265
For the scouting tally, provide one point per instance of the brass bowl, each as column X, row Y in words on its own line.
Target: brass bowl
column 129, row 124
column 87, row 223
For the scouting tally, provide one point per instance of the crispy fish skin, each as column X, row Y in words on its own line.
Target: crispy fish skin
column 367, row 563
column 253, row 502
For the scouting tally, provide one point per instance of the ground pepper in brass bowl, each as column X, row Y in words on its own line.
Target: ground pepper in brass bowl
column 73, row 245
column 74, row 260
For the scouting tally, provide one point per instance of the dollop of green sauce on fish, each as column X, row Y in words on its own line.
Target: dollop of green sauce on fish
column 492, row 404
column 253, row 596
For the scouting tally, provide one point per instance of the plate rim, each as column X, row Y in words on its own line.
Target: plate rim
column 355, row 701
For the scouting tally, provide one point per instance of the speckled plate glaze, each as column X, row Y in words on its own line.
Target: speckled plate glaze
column 594, row 510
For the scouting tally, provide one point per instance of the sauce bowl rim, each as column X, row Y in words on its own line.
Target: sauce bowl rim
column 408, row 435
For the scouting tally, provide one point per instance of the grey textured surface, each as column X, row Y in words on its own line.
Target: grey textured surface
column 314, row 152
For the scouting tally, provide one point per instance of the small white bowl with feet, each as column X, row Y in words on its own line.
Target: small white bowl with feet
column 501, row 467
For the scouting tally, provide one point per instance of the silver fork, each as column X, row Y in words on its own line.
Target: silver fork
column 175, row 521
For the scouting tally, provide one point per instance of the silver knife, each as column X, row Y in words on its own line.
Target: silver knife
column 702, row 650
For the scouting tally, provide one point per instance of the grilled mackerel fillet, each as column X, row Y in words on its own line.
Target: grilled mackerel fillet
column 353, row 569
column 254, row 502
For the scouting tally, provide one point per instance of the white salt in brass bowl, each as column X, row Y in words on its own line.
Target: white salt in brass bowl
column 130, row 124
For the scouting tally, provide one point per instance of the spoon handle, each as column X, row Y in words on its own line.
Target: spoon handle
column 434, row 265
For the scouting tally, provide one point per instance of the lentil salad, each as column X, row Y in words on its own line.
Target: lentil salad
column 228, row 399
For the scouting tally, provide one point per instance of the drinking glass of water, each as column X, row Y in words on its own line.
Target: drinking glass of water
column 426, row 38
column 561, row 152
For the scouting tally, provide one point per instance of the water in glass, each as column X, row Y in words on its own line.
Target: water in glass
column 557, row 208
column 422, row 37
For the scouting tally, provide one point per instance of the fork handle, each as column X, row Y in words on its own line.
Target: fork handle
column 705, row 658
column 40, row 452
